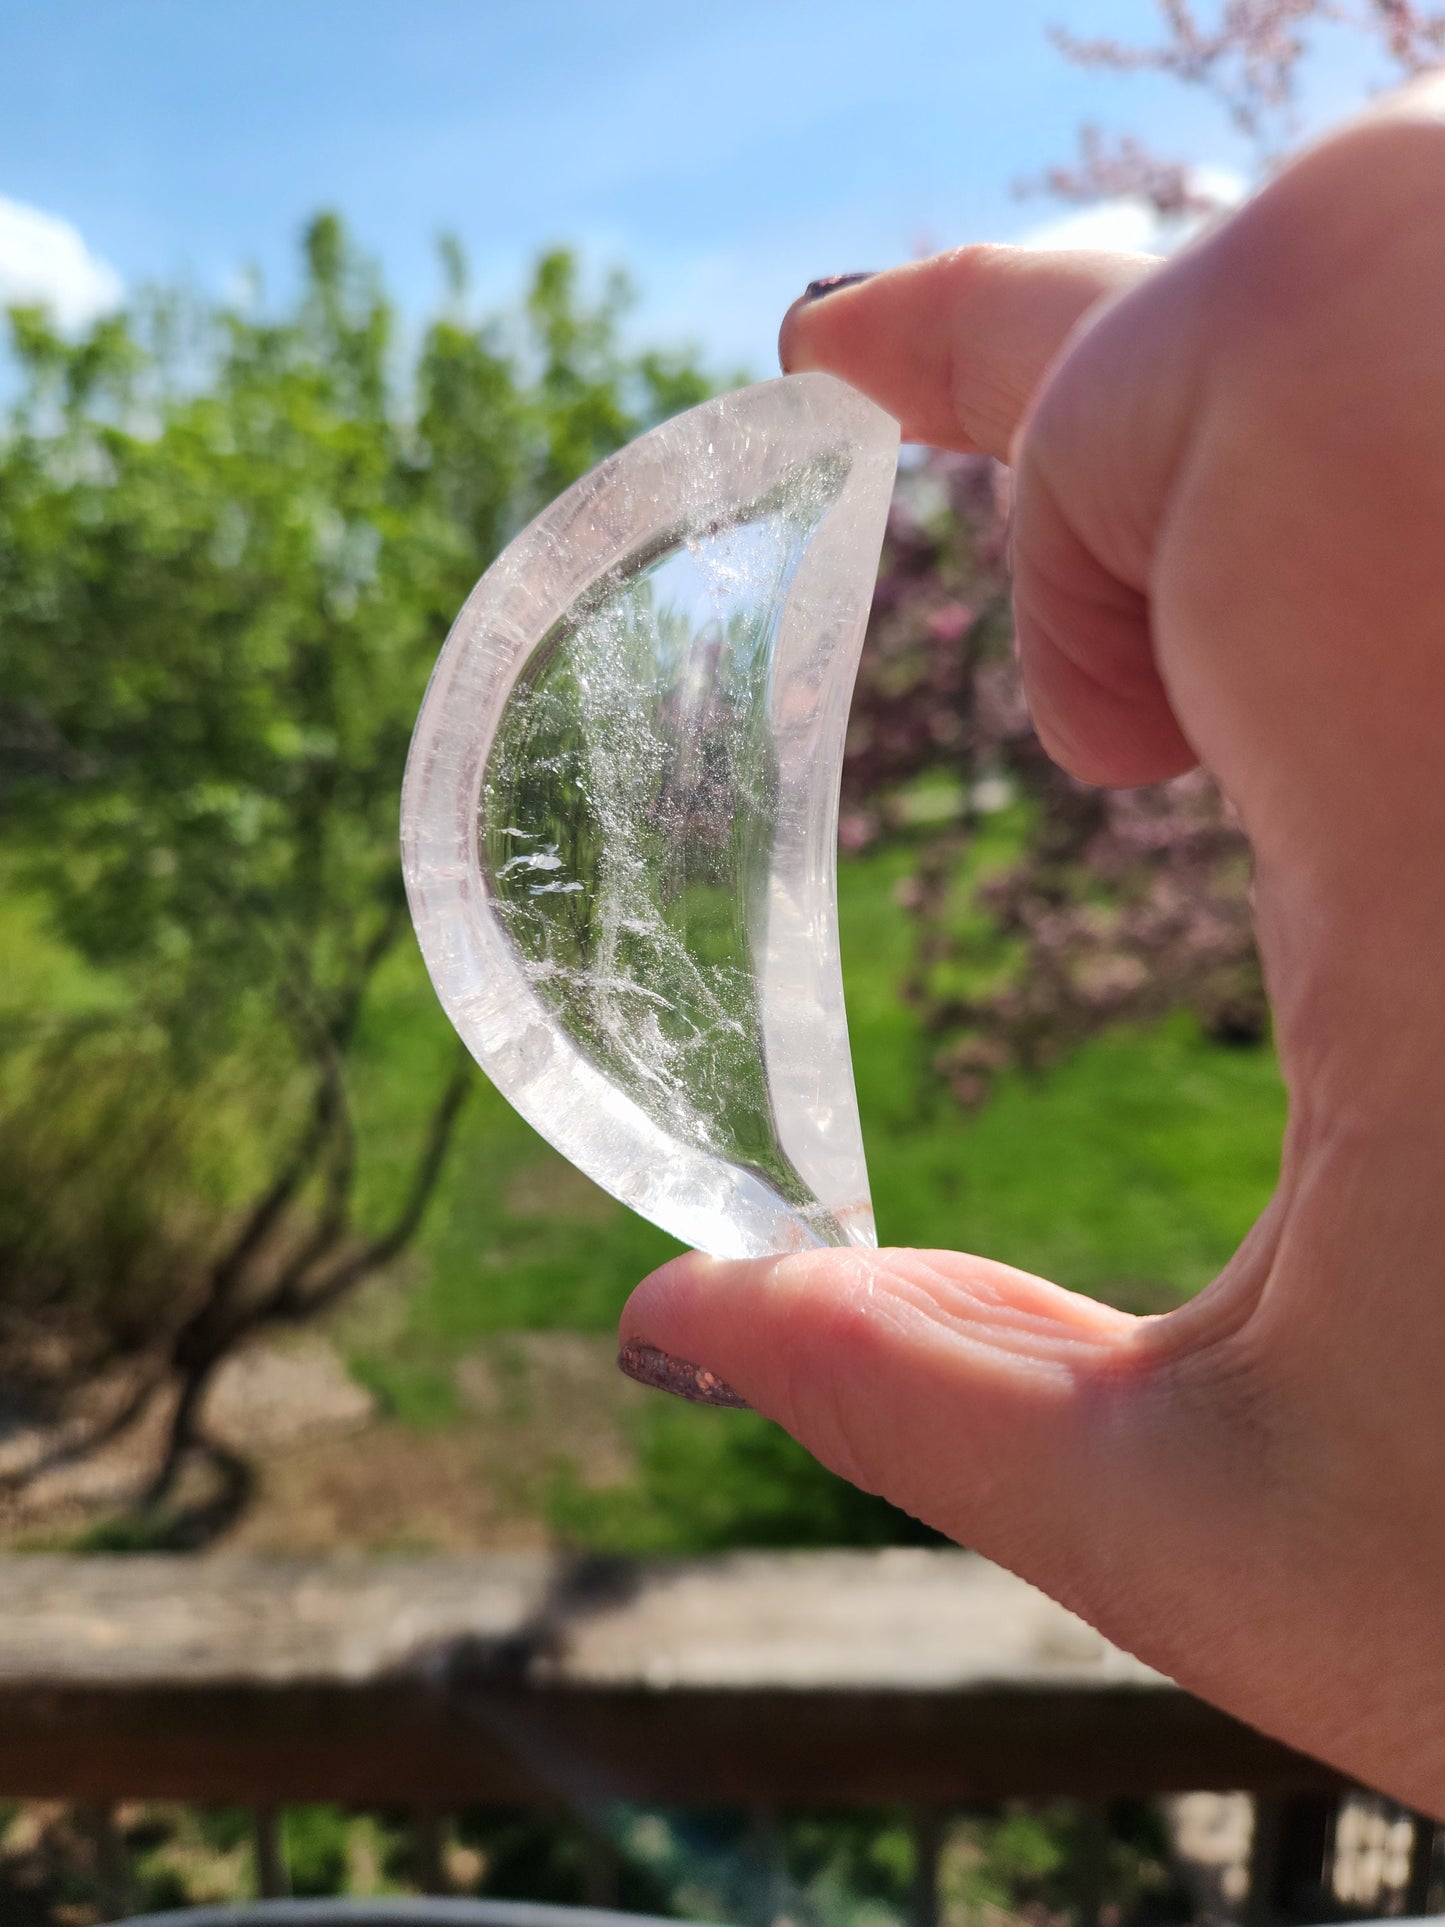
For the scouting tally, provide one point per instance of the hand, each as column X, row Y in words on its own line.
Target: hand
column 1229, row 548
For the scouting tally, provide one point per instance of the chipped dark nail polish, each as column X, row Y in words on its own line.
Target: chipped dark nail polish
column 664, row 1373
column 831, row 283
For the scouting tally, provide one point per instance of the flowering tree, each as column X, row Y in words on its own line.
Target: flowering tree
column 1251, row 62
column 1047, row 909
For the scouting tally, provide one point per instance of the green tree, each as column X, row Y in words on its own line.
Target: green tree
column 230, row 545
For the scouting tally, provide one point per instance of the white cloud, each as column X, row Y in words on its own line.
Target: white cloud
column 45, row 260
column 1127, row 226
column 1132, row 226
column 1226, row 184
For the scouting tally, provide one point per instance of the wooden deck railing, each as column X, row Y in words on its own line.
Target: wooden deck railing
column 761, row 1681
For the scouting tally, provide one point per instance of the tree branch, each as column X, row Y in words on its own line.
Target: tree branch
column 129, row 1412
column 380, row 1250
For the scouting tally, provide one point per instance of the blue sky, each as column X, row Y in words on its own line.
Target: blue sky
column 723, row 154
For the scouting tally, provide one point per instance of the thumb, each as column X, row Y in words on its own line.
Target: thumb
column 1052, row 1433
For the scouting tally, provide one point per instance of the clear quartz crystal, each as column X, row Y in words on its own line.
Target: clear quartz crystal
column 619, row 823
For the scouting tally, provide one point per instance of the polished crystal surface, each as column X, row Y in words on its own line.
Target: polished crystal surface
column 619, row 822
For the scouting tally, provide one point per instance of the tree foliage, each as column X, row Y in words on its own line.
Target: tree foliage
column 231, row 541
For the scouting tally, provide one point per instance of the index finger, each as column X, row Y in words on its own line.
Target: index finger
column 954, row 347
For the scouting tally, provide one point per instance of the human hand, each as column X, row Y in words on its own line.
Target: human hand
column 1229, row 547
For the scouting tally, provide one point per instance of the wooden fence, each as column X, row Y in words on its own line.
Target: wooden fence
column 760, row 1681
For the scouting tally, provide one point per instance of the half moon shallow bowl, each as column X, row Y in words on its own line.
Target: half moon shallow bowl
column 619, row 820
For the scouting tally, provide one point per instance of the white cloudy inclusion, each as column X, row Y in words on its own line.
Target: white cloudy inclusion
column 619, row 823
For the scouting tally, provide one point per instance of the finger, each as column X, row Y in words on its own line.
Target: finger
column 1163, row 1478
column 1084, row 633
column 1176, row 439
column 1007, row 1412
column 954, row 347
column 983, row 349
column 1097, row 455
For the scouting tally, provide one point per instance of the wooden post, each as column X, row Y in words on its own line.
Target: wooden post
column 1092, row 1866
column 273, row 1877
column 1288, row 1859
column 601, row 1869
column 1421, row 1876
column 765, row 1859
column 111, row 1863
column 1263, row 1851
column 429, row 1852
column 928, row 1834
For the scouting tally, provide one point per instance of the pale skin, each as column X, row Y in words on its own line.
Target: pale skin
column 1229, row 548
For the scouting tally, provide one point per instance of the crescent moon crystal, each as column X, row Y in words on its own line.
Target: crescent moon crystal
column 619, row 819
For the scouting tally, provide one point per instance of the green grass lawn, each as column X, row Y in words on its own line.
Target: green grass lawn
column 1130, row 1172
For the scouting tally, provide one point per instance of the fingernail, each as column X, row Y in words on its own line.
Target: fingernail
column 831, row 283
column 664, row 1373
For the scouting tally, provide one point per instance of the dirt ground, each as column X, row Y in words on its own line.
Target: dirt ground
column 332, row 1471
column 530, row 1400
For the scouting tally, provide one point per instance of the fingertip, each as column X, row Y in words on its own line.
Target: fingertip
column 789, row 348
column 1113, row 746
column 952, row 346
column 796, row 341
column 660, row 1292
column 743, row 1318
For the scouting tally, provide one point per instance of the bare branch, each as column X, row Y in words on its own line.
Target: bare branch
column 1248, row 62
column 269, row 1208
column 1414, row 38
column 380, row 1250
column 1126, row 169
column 324, row 1040
column 335, row 1217
column 88, row 1440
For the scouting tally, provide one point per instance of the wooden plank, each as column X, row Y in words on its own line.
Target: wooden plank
column 929, row 1678
column 404, row 1745
column 906, row 1620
